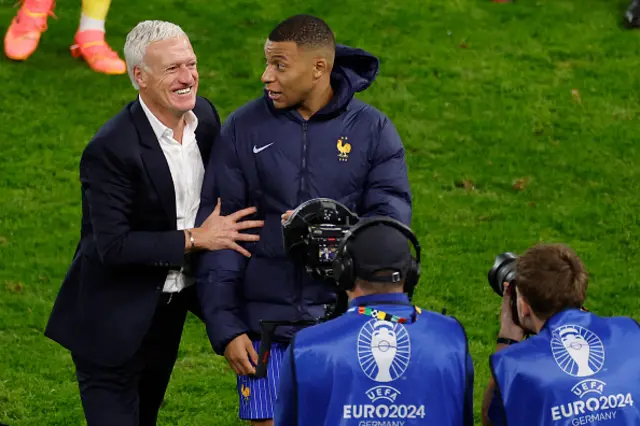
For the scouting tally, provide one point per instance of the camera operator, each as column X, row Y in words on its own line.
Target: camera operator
column 577, row 368
column 383, row 360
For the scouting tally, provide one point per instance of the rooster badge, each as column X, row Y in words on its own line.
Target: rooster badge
column 343, row 149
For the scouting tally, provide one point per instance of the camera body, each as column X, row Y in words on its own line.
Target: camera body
column 504, row 270
column 322, row 243
column 313, row 233
column 311, row 237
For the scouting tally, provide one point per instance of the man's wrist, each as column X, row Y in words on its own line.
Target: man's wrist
column 192, row 242
column 506, row 340
column 200, row 239
column 514, row 334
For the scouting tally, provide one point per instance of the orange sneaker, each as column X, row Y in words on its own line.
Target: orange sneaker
column 24, row 33
column 91, row 46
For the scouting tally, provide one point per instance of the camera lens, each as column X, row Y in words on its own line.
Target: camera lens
column 503, row 270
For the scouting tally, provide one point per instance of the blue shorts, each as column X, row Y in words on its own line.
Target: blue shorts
column 258, row 395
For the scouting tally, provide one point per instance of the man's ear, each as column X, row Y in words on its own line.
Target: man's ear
column 523, row 307
column 320, row 67
column 140, row 76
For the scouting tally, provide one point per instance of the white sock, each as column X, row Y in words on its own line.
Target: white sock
column 87, row 23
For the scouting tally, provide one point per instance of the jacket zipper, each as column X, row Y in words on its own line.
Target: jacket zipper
column 300, row 191
column 304, row 162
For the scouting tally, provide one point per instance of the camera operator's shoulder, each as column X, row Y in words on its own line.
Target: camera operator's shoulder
column 624, row 321
column 446, row 320
column 324, row 332
column 447, row 325
column 530, row 348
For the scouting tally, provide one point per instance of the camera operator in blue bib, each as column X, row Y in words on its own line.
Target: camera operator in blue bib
column 576, row 368
column 384, row 361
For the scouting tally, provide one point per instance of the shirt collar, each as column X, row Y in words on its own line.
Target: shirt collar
column 380, row 298
column 160, row 129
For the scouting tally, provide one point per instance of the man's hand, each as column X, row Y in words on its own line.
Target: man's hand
column 238, row 352
column 221, row 232
column 508, row 328
column 286, row 215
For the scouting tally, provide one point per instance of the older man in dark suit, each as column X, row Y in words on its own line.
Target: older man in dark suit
column 123, row 303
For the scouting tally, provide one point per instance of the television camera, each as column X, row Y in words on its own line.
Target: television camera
column 311, row 237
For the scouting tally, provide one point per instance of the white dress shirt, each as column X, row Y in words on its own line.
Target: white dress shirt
column 187, row 173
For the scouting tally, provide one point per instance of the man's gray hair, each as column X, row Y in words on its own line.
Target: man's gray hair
column 141, row 36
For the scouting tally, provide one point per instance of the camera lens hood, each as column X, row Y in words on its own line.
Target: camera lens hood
column 501, row 270
column 316, row 211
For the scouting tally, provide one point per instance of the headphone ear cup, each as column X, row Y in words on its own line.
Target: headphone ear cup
column 413, row 274
column 338, row 270
column 347, row 276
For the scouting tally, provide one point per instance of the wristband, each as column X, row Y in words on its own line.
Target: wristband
column 193, row 241
column 506, row 341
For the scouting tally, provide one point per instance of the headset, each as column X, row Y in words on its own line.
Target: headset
column 343, row 265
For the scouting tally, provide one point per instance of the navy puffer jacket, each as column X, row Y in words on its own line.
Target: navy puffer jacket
column 275, row 160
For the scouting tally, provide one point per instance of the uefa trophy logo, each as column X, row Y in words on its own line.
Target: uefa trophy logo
column 384, row 350
column 577, row 351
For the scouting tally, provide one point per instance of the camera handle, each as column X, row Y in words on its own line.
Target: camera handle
column 336, row 309
column 267, row 331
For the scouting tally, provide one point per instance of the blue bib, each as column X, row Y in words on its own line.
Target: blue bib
column 580, row 369
column 383, row 365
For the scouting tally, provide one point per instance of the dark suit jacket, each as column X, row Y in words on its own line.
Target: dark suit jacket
column 128, row 238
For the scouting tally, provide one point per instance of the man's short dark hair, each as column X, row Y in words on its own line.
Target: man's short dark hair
column 551, row 278
column 306, row 31
column 372, row 287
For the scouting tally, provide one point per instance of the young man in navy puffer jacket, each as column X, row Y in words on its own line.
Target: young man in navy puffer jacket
column 306, row 137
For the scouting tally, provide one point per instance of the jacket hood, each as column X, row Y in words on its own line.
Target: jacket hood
column 354, row 70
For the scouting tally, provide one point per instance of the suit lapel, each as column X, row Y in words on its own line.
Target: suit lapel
column 155, row 162
column 203, row 146
column 205, row 131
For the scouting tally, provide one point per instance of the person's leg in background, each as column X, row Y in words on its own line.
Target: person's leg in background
column 632, row 15
column 26, row 28
column 24, row 33
column 90, row 43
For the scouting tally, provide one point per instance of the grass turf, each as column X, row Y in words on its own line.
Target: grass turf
column 520, row 121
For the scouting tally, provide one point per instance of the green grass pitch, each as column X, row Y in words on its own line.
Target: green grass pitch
column 520, row 121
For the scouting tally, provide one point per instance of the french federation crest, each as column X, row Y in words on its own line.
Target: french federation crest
column 344, row 148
